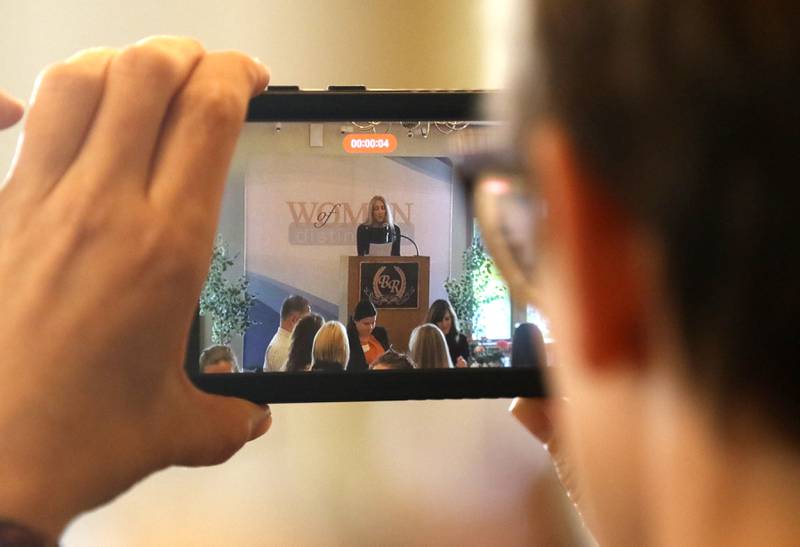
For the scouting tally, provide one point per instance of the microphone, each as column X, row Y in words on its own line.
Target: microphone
column 403, row 236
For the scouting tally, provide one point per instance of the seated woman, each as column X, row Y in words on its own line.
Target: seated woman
column 301, row 343
column 379, row 235
column 218, row 360
column 442, row 314
column 367, row 342
column 527, row 347
column 429, row 348
column 330, row 352
column 392, row 360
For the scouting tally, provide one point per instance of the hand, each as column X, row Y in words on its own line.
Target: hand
column 538, row 417
column 11, row 110
column 461, row 362
column 106, row 228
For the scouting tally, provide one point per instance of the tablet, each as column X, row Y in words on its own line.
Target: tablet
column 346, row 203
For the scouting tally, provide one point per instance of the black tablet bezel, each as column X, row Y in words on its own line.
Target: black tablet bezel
column 346, row 104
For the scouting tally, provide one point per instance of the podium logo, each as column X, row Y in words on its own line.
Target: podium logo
column 335, row 223
column 390, row 285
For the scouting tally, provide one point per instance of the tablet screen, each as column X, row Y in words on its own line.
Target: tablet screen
column 352, row 248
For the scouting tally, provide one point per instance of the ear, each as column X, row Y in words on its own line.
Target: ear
column 597, row 247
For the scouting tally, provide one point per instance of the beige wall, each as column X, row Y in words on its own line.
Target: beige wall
column 313, row 43
column 417, row 473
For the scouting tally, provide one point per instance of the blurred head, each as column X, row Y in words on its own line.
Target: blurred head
column 527, row 347
column 379, row 212
column 330, row 345
column 442, row 315
column 661, row 136
column 302, row 342
column 293, row 309
column 429, row 348
column 365, row 316
column 218, row 359
column 392, row 360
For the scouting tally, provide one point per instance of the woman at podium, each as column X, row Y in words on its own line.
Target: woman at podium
column 379, row 235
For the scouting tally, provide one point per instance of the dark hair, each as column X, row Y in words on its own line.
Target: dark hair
column 294, row 304
column 363, row 309
column 213, row 354
column 527, row 347
column 687, row 113
column 437, row 312
column 303, row 341
column 394, row 360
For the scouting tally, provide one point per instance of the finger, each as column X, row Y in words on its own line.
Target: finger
column 216, row 427
column 141, row 82
column 11, row 110
column 200, row 135
column 533, row 414
column 63, row 105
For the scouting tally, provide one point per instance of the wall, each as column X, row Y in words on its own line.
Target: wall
column 454, row 472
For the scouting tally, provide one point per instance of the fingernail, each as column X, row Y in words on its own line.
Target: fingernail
column 264, row 76
column 514, row 404
column 261, row 424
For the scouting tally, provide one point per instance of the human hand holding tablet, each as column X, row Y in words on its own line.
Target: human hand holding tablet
column 104, row 244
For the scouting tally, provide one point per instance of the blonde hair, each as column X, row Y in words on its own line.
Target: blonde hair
column 330, row 344
column 371, row 215
column 429, row 348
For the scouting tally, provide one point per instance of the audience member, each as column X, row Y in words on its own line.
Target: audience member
column 428, row 347
column 527, row 347
column 302, row 343
column 392, row 360
column 218, row 359
column 442, row 314
column 367, row 342
column 293, row 309
column 331, row 351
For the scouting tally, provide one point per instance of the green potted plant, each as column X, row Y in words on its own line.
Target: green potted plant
column 473, row 288
column 225, row 301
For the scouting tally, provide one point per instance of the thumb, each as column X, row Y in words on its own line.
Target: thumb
column 537, row 417
column 534, row 415
column 217, row 427
column 11, row 110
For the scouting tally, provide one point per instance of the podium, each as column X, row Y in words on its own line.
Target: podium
column 398, row 286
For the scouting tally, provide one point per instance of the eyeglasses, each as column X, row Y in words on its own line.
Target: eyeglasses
column 510, row 217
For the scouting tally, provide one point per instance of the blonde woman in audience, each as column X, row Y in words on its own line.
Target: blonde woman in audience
column 429, row 348
column 331, row 350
